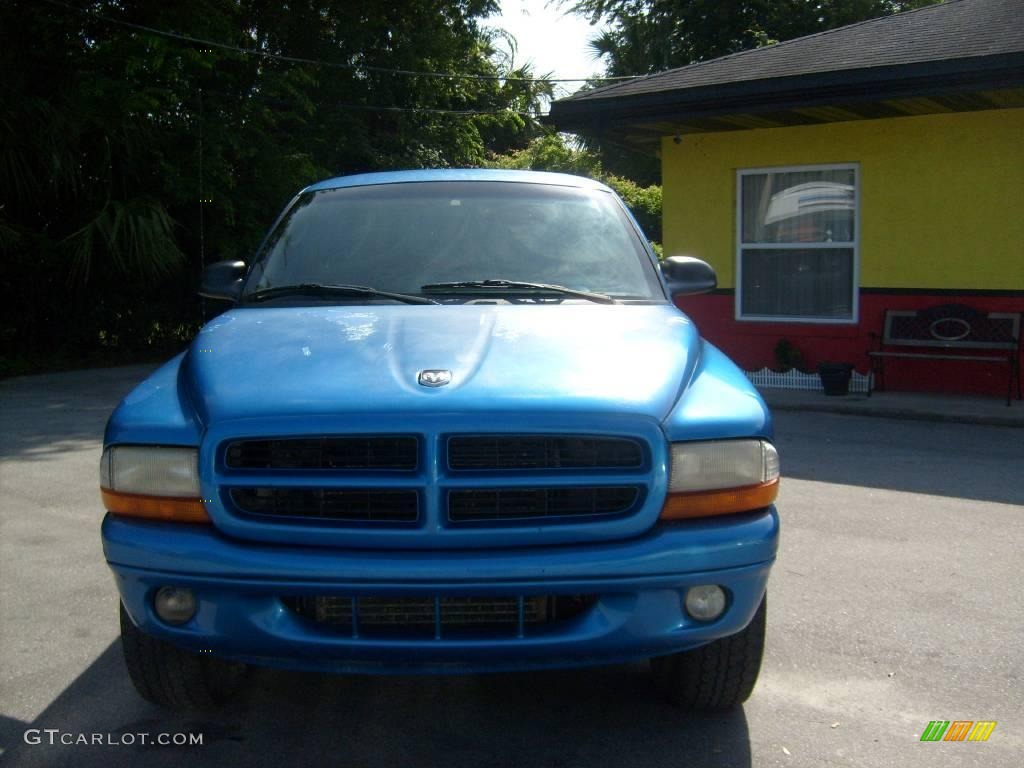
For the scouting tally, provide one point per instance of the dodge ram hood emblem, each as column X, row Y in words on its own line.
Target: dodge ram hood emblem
column 434, row 378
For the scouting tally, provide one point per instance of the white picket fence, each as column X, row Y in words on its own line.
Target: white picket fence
column 809, row 382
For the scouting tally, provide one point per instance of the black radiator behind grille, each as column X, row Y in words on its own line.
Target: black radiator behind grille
column 355, row 452
column 518, row 503
column 435, row 616
column 370, row 505
column 418, row 611
column 542, row 452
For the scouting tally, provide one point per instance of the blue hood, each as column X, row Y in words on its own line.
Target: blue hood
column 573, row 358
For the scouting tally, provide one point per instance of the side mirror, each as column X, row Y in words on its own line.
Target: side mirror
column 223, row 280
column 687, row 275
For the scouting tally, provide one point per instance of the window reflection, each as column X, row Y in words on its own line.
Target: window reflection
column 797, row 247
column 810, row 207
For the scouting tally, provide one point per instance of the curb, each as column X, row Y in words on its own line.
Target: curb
column 904, row 414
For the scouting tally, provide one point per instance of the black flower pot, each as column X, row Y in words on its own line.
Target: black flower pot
column 835, row 377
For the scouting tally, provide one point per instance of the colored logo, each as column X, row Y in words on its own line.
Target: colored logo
column 958, row 730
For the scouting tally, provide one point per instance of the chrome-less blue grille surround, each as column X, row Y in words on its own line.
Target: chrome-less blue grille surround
column 562, row 484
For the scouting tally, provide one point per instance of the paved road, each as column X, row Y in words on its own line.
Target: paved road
column 895, row 601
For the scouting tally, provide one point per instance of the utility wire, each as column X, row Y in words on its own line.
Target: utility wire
column 334, row 64
column 274, row 101
column 440, row 110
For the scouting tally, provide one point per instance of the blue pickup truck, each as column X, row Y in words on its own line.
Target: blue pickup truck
column 452, row 422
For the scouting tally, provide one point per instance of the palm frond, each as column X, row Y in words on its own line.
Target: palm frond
column 130, row 238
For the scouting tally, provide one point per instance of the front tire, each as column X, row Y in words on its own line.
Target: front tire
column 170, row 677
column 716, row 676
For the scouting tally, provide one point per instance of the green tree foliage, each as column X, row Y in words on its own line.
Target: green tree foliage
column 553, row 152
column 644, row 202
column 125, row 155
column 647, row 36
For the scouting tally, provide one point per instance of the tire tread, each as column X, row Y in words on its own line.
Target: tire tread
column 173, row 678
column 716, row 676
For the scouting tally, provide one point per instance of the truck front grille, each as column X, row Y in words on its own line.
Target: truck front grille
column 501, row 452
column 358, row 452
column 480, row 505
column 353, row 505
column 437, row 485
column 438, row 616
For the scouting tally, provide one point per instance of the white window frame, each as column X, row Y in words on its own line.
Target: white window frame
column 855, row 245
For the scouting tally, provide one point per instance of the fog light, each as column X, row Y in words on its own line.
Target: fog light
column 705, row 602
column 175, row 605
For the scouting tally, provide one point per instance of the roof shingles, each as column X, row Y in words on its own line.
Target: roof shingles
column 956, row 29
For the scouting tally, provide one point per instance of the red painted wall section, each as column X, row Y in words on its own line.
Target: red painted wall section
column 752, row 345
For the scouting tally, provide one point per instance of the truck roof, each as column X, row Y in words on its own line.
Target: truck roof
column 456, row 174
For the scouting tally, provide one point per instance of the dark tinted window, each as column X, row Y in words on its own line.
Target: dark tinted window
column 399, row 237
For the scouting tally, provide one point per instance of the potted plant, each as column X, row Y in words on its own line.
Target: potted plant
column 835, row 377
column 788, row 356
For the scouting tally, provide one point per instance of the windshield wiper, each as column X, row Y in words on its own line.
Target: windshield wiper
column 323, row 289
column 475, row 286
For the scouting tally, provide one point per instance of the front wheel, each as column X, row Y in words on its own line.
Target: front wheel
column 716, row 676
column 166, row 675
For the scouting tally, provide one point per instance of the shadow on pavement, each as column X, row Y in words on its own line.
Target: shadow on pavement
column 44, row 416
column 602, row 716
column 959, row 460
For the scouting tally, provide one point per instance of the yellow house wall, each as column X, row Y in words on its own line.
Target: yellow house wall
column 942, row 196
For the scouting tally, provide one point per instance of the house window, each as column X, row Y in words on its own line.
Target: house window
column 797, row 244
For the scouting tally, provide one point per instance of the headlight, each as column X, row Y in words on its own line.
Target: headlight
column 155, row 471
column 722, row 464
column 719, row 477
column 152, row 481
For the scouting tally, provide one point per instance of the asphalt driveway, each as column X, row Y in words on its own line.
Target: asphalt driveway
column 895, row 601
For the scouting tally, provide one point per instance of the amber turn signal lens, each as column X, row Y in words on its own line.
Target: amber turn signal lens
column 167, row 508
column 727, row 501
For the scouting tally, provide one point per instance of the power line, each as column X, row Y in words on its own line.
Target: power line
column 274, row 101
column 333, row 64
column 441, row 110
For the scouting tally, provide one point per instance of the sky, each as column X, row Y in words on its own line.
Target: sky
column 550, row 39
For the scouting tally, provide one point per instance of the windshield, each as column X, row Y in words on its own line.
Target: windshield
column 404, row 236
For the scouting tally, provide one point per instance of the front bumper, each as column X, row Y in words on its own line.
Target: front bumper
column 638, row 583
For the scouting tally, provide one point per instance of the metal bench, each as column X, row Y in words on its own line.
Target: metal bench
column 953, row 328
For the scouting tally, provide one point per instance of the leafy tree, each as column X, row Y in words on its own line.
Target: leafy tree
column 644, row 202
column 130, row 158
column 554, row 152
column 647, row 36
column 551, row 152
